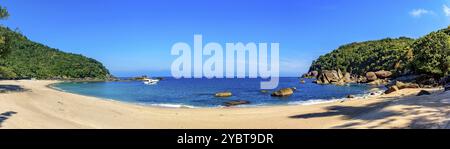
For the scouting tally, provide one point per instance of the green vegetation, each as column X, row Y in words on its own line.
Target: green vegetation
column 432, row 54
column 427, row 55
column 28, row 59
column 21, row 58
column 359, row 58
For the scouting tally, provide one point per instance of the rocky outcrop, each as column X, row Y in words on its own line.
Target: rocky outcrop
column 402, row 85
column 223, row 94
column 382, row 74
column 283, row 92
column 335, row 77
column 236, row 103
column 311, row 74
column 371, row 76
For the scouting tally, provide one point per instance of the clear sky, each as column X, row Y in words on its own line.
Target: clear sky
column 134, row 37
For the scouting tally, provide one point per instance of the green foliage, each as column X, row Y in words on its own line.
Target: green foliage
column 28, row 59
column 432, row 54
column 3, row 13
column 358, row 58
column 7, row 73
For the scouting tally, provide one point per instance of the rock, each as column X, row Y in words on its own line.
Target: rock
column 224, row 94
column 350, row 96
column 378, row 82
column 294, row 88
column 311, row 74
column 383, row 74
column 447, row 87
column 329, row 77
column 402, row 85
column 391, row 89
column 423, row 92
column 302, row 81
column 264, row 91
column 362, row 79
column 371, row 76
column 348, row 78
column 283, row 92
column 236, row 103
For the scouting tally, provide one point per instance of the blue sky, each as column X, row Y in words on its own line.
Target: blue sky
column 134, row 37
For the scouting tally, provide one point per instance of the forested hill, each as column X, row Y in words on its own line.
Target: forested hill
column 428, row 55
column 28, row 59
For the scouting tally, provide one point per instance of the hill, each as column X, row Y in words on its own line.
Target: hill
column 28, row 59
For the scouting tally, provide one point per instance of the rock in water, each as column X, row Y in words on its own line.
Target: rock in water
column 302, row 81
column 283, row 92
column 224, row 94
column 447, row 87
column 391, row 89
column 236, row 103
column 383, row 74
column 423, row 92
column 371, row 76
column 350, row 96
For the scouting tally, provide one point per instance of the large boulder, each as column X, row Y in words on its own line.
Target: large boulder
column 371, row 76
column 348, row 78
column 402, row 85
column 391, row 89
column 283, row 92
column 383, row 74
column 224, row 94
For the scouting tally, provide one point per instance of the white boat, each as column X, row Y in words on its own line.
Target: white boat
column 150, row 81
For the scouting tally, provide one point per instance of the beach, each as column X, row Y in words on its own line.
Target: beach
column 40, row 106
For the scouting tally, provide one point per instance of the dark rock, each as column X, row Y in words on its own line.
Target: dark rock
column 447, row 87
column 283, row 92
column 236, row 103
column 383, row 74
column 371, row 76
column 391, row 89
column 312, row 74
column 224, row 94
column 350, row 96
column 423, row 92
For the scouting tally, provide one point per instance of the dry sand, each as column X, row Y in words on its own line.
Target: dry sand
column 43, row 107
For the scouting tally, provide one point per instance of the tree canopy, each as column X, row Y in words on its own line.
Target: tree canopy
column 427, row 55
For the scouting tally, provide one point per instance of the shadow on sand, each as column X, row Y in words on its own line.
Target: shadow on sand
column 6, row 115
column 374, row 112
column 10, row 88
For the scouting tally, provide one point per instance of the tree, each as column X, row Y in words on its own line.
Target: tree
column 3, row 13
column 432, row 54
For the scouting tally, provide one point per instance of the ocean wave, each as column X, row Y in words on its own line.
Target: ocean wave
column 169, row 105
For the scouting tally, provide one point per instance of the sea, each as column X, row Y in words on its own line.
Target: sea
column 199, row 93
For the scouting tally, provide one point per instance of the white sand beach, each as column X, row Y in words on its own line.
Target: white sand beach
column 43, row 107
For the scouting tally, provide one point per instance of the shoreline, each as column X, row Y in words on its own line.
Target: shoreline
column 170, row 105
column 44, row 107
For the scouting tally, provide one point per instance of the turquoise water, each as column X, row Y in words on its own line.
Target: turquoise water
column 200, row 92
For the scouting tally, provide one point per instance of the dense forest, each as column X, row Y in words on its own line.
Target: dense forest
column 427, row 55
column 21, row 58
column 27, row 59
